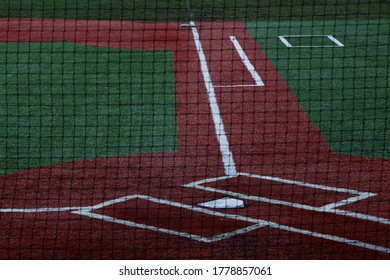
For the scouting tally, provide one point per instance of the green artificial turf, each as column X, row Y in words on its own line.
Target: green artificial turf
column 345, row 91
column 62, row 102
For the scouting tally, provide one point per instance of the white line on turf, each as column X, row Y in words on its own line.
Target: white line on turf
column 71, row 208
column 337, row 42
column 38, row 210
column 227, row 155
column 330, row 37
column 257, row 223
column 246, row 61
column 284, row 41
column 236, row 86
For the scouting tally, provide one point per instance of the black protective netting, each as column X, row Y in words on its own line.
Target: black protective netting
column 213, row 129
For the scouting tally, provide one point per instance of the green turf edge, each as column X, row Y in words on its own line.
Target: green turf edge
column 63, row 102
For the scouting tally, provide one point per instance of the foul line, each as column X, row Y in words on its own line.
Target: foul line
column 87, row 211
column 227, row 155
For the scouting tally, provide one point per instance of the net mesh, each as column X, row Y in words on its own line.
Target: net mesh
column 213, row 129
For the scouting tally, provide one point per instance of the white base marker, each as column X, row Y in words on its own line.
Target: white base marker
column 224, row 203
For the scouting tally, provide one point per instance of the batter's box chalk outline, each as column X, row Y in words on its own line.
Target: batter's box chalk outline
column 257, row 223
column 327, row 208
column 284, row 40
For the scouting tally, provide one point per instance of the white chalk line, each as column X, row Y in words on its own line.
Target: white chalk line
column 227, row 155
column 236, row 86
column 337, row 42
column 328, row 208
column 246, row 61
column 38, row 210
column 306, row 207
column 257, row 223
column 330, row 37
column 86, row 211
column 285, row 42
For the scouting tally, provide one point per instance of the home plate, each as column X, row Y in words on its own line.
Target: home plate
column 223, row 203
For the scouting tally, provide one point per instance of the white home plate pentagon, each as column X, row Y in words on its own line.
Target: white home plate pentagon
column 223, row 203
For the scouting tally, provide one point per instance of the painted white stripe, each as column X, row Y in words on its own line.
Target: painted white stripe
column 284, row 41
column 334, row 238
column 286, row 181
column 255, row 198
column 109, row 202
column 210, row 180
column 329, row 208
column 236, row 232
column 300, row 206
column 337, row 42
column 347, row 201
column 307, row 35
column 234, row 86
column 227, row 155
column 258, row 223
column 360, row 216
column 246, row 61
column 142, row 226
column 38, row 210
column 203, row 210
column 330, row 37
column 86, row 211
